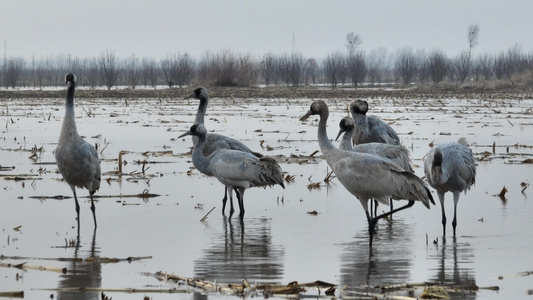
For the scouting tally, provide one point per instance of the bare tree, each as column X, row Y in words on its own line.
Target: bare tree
column 356, row 66
column 169, row 65
column 292, row 68
column 462, row 66
column 463, row 61
column 92, row 72
column 352, row 42
column 438, row 66
column 473, row 38
column 184, row 71
column 13, row 70
column 422, row 66
column 406, row 65
column 109, row 69
column 248, row 70
column 132, row 71
column 482, row 67
column 269, row 68
column 333, row 65
column 149, row 72
column 224, row 68
column 376, row 65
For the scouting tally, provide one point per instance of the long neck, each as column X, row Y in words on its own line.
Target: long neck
column 361, row 129
column 202, row 108
column 201, row 163
column 346, row 141
column 68, row 130
column 323, row 140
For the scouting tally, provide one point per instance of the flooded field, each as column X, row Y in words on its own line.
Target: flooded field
column 151, row 205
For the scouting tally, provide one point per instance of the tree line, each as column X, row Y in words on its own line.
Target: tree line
column 227, row 68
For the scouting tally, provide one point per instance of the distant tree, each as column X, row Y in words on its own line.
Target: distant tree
column 13, row 70
column 132, row 71
column 184, row 71
column 292, row 68
column 224, row 68
column 406, row 65
column 333, row 65
column 269, row 68
column 248, row 70
column 422, row 66
column 438, row 66
column 109, row 69
column 376, row 65
column 356, row 66
column 463, row 62
column 92, row 72
column 149, row 72
column 352, row 42
column 482, row 67
column 462, row 66
column 508, row 63
column 169, row 65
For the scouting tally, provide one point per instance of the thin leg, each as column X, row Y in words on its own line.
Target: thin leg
column 77, row 205
column 371, row 226
column 230, row 190
column 441, row 198
column 411, row 203
column 391, row 206
column 224, row 200
column 455, row 201
column 240, row 198
column 93, row 208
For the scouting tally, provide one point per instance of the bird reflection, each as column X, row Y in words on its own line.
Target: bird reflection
column 82, row 273
column 234, row 256
column 390, row 263
column 455, row 266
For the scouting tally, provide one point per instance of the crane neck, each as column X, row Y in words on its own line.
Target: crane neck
column 323, row 140
column 69, row 130
column 200, row 162
column 346, row 141
column 202, row 108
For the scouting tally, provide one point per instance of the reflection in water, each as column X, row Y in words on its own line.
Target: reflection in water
column 455, row 265
column 82, row 274
column 234, row 255
column 389, row 260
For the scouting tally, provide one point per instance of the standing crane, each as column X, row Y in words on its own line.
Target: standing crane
column 450, row 167
column 368, row 176
column 77, row 160
column 215, row 141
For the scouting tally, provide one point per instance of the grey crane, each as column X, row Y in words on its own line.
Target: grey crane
column 237, row 170
column 77, row 160
column 396, row 153
column 368, row 176
column 370, row 129
column 450, row 167
column 215, row 141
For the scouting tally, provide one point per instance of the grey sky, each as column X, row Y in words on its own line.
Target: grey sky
column 155, row 28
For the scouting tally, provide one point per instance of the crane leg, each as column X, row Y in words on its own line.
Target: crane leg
column 240, row 198
column 77, row 205
column 224, row 200
column 93, row 208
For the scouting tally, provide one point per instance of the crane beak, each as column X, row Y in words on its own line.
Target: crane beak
column 190, row 96
column 185, row 134
column 306, row 116
column 338, row 135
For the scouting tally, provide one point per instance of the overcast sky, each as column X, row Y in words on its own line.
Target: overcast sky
column 155, row 28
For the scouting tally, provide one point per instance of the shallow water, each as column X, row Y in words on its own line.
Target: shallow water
column 278, row 241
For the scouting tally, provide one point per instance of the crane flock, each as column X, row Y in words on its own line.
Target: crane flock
column 377, row 167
